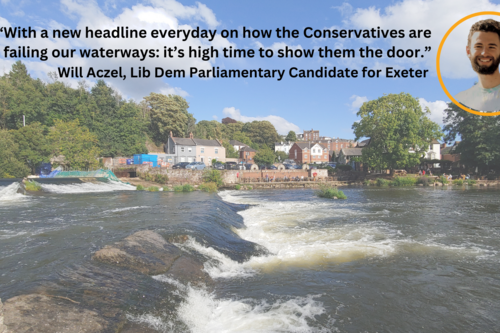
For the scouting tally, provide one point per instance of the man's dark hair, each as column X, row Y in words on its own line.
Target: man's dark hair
column 488, row 25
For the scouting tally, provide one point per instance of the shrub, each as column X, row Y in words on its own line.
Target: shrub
column 470, row 181
column 458, row 182
column 238, row 186
column 187, row 188
column 367, row 182
column 166, row 189
column 153, row 189
column 139, row 188
column 404, row 181
column 213, row 176
column 382, row 182
column 32, row 186
column 208, row 187
column 423, row 180
column 178, row 188
column 326, row 191
column 161, row 179
column 249, row 187
column 443, row 180
column 344, row 167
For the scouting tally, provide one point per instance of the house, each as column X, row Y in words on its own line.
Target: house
column 311, row 135
column 247, row 154
column 347, row 154
column 449, row 157
column 283, row 146
column 191, row 150
column 309, row 152
column 237, row 145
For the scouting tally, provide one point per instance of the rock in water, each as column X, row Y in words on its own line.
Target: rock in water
column 43, row 314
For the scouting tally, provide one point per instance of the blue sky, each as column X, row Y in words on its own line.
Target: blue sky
column 325, row 104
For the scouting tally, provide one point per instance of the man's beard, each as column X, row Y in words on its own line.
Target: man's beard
column 486, row 70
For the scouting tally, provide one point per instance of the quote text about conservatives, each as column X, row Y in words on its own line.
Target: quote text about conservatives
column 209, row 53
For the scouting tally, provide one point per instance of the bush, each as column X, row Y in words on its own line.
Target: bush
column 208, row 187
column 249, row 187
column 32, row 186
column 213, row 176
column 153, row 189
column 139, row 188
column 326, row 191
column 367, row 182
column 443, row 180
column 166, row 189
column 161, row 179
column 404, row 181
column 178, row 188
column 343, row 167
column 187, row 188
column 458, row 182
column 471, row 182
column 423, row 180
column 382, row 182
column 238, row 186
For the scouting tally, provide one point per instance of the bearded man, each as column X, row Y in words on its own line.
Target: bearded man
column 483, row 51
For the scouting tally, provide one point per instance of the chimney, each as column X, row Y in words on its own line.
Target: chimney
column 191, row 135
column 171, row 135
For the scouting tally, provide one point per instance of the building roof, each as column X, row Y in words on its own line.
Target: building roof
column 248, row 149
column 351, row 151
column 434, row 141
column 196, row 142
column 363, row 143
column 307, row 144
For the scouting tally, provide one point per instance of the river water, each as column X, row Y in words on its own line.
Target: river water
column 384, row 260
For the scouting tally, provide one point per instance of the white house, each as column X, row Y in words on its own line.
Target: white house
column 283, row 146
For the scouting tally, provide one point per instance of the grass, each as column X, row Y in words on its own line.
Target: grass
column 161, row 179
column 208, row 187
column 326, row 191
column 471, row 182
column 367, row 182
column 153, row 189
column 458, row 182
column 424, row 181
column 238, row 186
column 443, row 180
column 183, row 188
column 139, row 188
column 382, row 182
column 166, row 189
column 249, row 187
column 32, row 186
column 404, row 181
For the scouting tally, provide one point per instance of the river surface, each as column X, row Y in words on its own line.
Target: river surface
column 384, row 260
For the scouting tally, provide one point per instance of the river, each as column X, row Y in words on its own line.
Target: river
column 384, row 260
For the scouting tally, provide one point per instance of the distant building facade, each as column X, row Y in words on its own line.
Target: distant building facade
column 308, row 152
column 194, row 150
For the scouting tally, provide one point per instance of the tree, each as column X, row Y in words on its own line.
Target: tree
column 261, row 132
column 291, row 136
column 399, row 130
column 281, row 156
column 168, row 114
column 10, row 165
column 264, row 156
column 75, row 143
column 230, row 152
column 34, row 148
column 480, row 145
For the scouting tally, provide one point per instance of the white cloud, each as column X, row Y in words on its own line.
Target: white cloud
column 437, row 109
column 281, row 124
column 160, row 15
column 357, row 102
column 435, row 15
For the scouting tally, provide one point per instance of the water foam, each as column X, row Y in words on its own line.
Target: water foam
column 9, row 193
column 201, row 311
column 124, row 209
column 87, row 187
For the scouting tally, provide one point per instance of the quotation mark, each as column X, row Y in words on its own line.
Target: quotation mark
column 427, row 48
column 1, row 29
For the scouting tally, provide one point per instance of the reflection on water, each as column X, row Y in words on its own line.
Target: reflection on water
column 401, row 260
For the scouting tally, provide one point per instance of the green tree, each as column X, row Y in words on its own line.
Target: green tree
column 261, row 132
column 396, row 125
column 281, row 156
column 10, row 165
column 264, row 156
column 230, row 152
column 167, row 114
column 78, row 146
column 34, row 148
column 480, row 145
column 291, row 136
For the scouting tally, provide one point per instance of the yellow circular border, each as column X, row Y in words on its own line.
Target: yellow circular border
column 438, row 70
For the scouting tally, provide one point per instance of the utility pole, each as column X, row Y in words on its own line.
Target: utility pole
column 24, row 120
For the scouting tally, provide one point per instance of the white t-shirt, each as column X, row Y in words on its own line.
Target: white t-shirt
column 480, row 98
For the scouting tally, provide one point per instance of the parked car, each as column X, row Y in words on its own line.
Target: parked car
column 196, row 166
column 267, row 167
column 289, row 161
column 332, row 164
column 218, row 166
column 181, row 165
column 248, row 166
column 289, row 166
column 234, row 166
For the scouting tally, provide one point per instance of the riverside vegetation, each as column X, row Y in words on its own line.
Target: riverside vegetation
column 412, row 181
column 330, row 192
